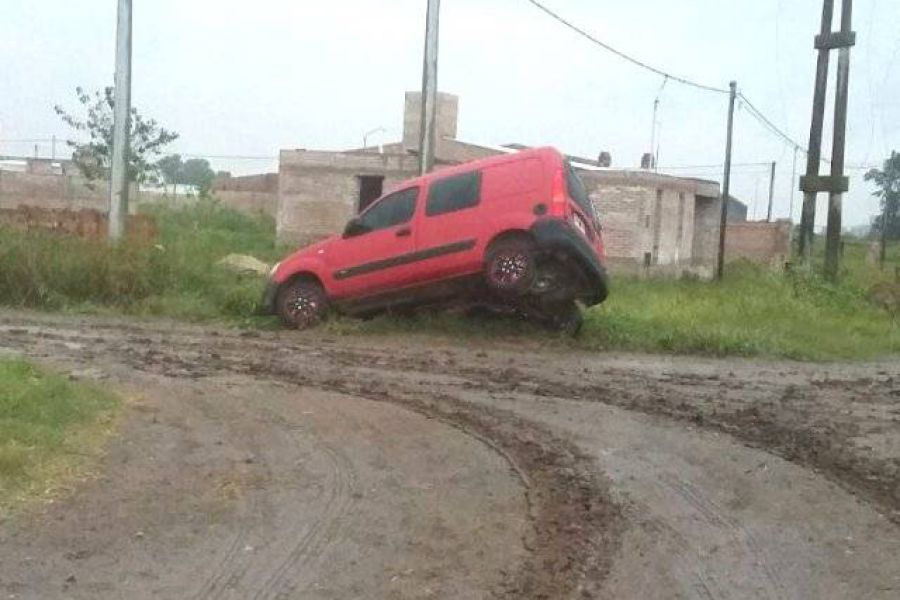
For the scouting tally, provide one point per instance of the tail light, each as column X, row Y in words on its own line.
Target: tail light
column 559, row 200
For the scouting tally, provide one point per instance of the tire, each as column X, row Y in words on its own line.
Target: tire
column 302, row 304
column 567, row 320
column 510, row 266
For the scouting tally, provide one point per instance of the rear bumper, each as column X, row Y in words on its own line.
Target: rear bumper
column 554, row 236
column 267, row 305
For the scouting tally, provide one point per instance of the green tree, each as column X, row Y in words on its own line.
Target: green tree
column 170, row 168
column 93, row 156
column 197, row 172
column 887, row 180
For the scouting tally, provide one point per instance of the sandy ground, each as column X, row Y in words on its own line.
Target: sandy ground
column 286, row 465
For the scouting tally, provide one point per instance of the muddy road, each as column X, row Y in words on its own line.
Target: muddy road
column 287, row 465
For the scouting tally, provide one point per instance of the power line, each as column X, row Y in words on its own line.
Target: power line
column 754, row 112
column 621, row 54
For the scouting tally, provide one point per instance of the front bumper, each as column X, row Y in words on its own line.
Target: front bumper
column 555, row 236
column 270, row 294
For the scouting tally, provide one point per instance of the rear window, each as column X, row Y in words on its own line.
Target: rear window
column 453, row 193
column 578, row 193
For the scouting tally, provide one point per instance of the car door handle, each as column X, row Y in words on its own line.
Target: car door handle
column 404, row 232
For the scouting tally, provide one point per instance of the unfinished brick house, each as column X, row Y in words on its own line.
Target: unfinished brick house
column 650, row 219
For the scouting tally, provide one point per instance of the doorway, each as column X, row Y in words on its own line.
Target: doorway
column 370, row 189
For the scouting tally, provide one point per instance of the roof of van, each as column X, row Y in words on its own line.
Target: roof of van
column 507, row 156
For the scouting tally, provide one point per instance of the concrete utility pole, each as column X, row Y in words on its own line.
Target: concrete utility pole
column 429, row 88
column 836, row 192
column 118, row 186
column 771, row 192
column 814, row 156
column 726, row 182
column 793, row 177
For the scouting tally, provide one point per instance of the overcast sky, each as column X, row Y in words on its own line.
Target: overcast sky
column 250, row 78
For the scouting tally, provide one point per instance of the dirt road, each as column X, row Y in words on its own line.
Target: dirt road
column 286, row 465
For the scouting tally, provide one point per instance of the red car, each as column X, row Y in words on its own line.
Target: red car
column 515, row 230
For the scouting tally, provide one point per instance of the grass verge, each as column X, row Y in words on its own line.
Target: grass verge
column 50, row 430
column 754, row 312
column 176, row 276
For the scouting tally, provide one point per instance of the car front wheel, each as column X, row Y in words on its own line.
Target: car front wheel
column 302, row 304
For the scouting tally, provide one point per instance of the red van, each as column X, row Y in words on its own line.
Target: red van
column 516, row 230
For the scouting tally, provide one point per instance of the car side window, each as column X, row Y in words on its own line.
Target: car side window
column 454, row 193
column 392, row 210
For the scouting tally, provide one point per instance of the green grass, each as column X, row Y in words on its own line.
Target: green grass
column 49, row 427
column 754, row 312
column 176, row 276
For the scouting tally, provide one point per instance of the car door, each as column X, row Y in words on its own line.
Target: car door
column 450, row 227
column 374, row 257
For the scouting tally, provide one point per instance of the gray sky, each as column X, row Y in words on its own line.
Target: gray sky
column 250, row 78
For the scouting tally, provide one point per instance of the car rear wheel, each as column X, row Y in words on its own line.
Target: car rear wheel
column 566, row 319
column 510, row 266
column 302, row 304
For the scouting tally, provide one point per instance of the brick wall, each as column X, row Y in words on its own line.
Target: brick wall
column 82, row 223
column 250, row 194
column 758, row 241
column 57, row 192
column 646, row 213
column 50, row 191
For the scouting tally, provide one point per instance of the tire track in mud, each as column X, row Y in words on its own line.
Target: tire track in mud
column 289, row 576
column 716, row 517
column 576, row 527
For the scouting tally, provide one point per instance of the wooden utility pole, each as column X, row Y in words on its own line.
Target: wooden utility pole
column 836, row 184
column 429, row 88
column 836, row 192
column 118, row 185
column 771, row 192
column 726, row 182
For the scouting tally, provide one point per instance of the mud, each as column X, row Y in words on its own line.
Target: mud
column 637, row 477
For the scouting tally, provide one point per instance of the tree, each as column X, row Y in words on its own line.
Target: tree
column 93, row 157
column 171, row 167
column 197, row 172
column 888, row 182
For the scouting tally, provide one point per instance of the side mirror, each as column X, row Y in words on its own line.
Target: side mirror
column 354, row 227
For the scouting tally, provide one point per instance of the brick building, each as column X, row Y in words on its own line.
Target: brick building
column 650, row 219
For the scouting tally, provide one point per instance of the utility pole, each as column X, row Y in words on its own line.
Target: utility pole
column 793, row 177
column 726, row 182
column 771, row 192
column 429, row 88
column 814, row 156
column 836, row 192
column 53, row 148
column 118, row 187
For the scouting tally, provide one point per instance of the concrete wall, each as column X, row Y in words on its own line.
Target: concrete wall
column 52, row 191
column 318, row 191
column 707, row 215
column 758, row 241
column 250, row 194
